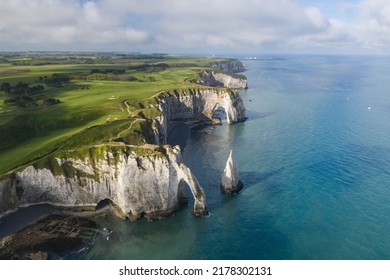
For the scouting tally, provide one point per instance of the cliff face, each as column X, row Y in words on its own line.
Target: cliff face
column 218, row 79
column 150, row 185
column 230, row 65
column 205, row 104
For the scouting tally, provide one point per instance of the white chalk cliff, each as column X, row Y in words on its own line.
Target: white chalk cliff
column 149, row 185
column 229, row 81
column 230, row 180
column 231, row 66
column 220, row 79
column 203, row 104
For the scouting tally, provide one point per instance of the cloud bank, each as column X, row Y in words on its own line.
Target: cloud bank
column 202, row 26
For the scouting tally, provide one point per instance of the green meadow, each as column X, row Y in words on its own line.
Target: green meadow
column 103, row 98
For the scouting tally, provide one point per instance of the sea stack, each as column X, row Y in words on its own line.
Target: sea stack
column 230, row 181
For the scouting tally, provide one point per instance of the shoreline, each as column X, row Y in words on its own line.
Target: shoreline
column 23, row 217
column 27, row 216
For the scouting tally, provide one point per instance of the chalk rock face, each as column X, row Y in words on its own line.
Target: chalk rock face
column 230, row 181
column 198, row 104
column 219, row 79
column 146, row 183
column 232, row 65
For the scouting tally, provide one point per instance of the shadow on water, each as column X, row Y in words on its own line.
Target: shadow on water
column 232, row 235
column 178, row 134
column 234, row 232
column 253, row 177
column 169, row 238
column 23, row 217
column 253, row 115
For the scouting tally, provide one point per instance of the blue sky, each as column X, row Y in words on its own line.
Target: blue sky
column 197, row 26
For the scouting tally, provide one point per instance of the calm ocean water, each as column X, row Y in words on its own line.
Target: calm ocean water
column 314, row 156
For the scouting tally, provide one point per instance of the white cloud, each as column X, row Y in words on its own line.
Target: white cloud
column 222, row 24
column 316, row 17
column 184, row 25
column 62, row 24
column 336, row 38
column 375, row 24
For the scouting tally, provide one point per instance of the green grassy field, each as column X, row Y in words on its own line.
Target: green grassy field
column 100, row 103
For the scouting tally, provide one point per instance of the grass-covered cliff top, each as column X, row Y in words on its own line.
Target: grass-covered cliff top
column 58, row 162
column 61, row 101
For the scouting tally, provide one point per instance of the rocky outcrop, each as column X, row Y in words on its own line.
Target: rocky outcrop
column 230, row 181
column 229, row 65
column 219, row 79
column 138, row 182
column 201, row 104
column 54, row 236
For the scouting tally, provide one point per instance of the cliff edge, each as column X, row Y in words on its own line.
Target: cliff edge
column 139, row 182
column 221, row 79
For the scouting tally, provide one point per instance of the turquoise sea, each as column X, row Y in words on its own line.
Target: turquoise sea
column 314, row 156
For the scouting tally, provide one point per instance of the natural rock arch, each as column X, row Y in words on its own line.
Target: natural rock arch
column 218, row 113
column 197, row 191
column 103, row 204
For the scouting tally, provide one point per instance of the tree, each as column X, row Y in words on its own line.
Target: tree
column 35, row 89
column 57, row 79
column 20, row 89
column 5, row 87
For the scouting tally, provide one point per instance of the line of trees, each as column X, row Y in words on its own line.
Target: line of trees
column 21, row 89
column 56, row 80
column 108, row 71
column 20, row 94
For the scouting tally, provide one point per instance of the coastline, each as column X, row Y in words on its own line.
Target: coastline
column 179, row 123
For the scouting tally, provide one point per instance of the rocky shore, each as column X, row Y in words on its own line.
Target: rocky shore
column 55, row 236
